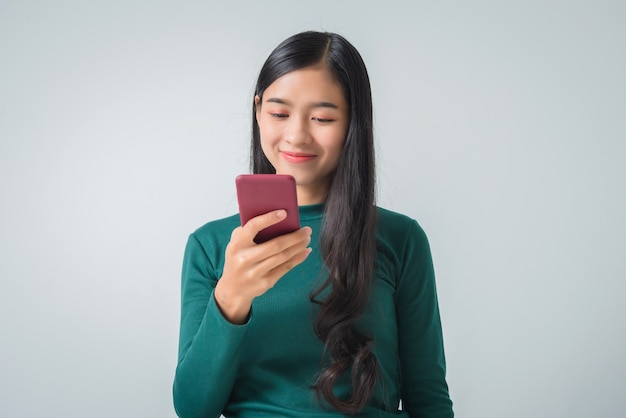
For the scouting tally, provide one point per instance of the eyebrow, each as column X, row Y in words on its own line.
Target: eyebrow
column 316, row 104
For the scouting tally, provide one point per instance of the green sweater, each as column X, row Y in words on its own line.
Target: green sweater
column 265, row 368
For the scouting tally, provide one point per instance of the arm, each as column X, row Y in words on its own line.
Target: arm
column 210, row 339
column 209, row 345
column 423, row 365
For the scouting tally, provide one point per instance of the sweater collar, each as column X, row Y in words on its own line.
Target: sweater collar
column 309, row 212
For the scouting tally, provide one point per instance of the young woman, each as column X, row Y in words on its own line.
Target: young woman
column 338, row 318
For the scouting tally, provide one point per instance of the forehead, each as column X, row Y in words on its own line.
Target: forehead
column 312, row 83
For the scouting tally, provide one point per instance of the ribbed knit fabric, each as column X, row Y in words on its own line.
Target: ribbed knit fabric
column 265, row 368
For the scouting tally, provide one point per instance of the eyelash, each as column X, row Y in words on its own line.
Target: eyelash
column 284, row 115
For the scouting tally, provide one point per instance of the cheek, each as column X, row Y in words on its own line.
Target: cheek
column 268, row 145
column 268, row 132
column 337, row 154
column 336, row 146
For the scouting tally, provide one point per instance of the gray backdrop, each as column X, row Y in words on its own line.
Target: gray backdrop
column 500, row 128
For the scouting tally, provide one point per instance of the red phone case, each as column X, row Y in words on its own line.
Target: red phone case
column 261, row 193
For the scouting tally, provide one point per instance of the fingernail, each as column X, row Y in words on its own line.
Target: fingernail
column 281, row 213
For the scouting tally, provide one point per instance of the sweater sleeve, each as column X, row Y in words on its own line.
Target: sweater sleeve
column 423, row 367
column 209, row 345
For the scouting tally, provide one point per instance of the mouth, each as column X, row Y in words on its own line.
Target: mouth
column 297, row 157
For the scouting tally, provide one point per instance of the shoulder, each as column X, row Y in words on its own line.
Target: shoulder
column 216, row 233
column 394, row 225
column 388, row 216
column 400, row 237
column 403, row 250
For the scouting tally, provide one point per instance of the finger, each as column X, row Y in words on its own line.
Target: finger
column 281, row 243
column 280, row 270
column 257, row 260
column 271, row 262
column 258, row 223
column 258, row 257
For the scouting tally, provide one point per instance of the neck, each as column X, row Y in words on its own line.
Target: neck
column 311, row 196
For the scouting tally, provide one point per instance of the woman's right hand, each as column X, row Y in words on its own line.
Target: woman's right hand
column 252, row 269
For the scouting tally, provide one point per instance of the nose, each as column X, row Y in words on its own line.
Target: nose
column 297, row 132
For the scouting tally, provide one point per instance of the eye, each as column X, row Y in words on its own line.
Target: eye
column 323, row 120
column 279, row 115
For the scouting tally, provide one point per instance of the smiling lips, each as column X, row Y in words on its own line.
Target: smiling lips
column 297, row 157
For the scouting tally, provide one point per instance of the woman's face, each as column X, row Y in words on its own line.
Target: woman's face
column 303, row 120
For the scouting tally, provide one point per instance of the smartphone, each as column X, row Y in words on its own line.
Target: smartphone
column 262, row 193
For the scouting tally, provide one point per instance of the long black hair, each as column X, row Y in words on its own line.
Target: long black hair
column 347, row 240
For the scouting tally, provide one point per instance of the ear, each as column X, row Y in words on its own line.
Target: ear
column 257, row 104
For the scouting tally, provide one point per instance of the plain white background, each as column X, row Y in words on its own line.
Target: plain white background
column 500, row 127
